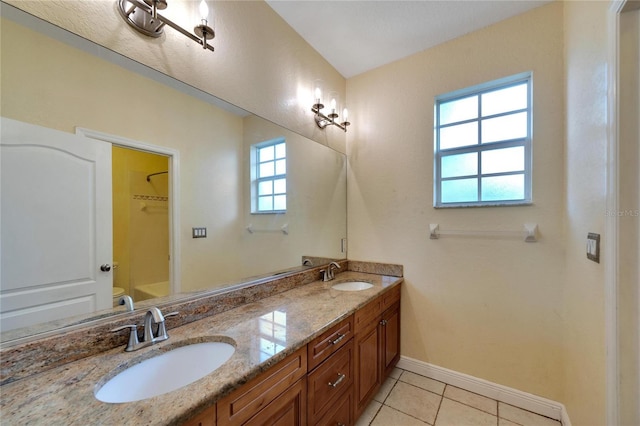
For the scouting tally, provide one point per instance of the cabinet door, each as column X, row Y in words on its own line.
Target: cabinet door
column 390, row 326
column 368, row 371
column 289, row 409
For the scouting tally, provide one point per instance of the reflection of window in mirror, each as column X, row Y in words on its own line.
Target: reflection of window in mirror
column 269, row 177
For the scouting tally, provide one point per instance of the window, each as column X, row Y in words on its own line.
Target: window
column 270, row 172
column 483, row 144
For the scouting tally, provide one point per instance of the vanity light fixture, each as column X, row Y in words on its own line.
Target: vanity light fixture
column 323, row 120
column 143, row 16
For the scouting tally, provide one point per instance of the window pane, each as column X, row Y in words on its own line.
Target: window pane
column 459, row 191
column 281, row 150
column 280, row 202
column 280, row 186
column 281, row 167
column 459, row 110
column 503, row 160
column 505, row 100
column 265, row 188
column 512, row 126
column 266, row 169
column 266, row 154
column 503, row 188
column 265, row 203
column 460, row 165
column 460, row 135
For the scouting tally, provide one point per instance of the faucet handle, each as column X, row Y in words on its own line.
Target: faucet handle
column 162, row 328
column 133, row 336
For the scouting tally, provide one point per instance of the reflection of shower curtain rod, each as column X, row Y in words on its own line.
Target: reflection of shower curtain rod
column 153, row 174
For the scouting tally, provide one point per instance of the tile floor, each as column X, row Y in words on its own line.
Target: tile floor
column 408, row 399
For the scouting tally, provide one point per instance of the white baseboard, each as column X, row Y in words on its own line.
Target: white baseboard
column 524, row 400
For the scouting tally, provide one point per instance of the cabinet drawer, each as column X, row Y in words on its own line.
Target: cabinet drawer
column 368, row 315
column 390, row 297
column 328, row 382
column 328, row 342
column 245, row 402
column 340, row 413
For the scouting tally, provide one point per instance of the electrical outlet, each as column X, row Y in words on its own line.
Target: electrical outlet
column 199, row 232
column 593, row 247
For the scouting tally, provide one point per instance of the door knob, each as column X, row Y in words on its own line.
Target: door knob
column 105, row 268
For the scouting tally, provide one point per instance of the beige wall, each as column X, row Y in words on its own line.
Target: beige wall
column 488, row 307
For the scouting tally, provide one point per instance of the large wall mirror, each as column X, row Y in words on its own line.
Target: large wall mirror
column 189, row 212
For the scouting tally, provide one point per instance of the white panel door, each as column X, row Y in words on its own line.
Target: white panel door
column 55, row 224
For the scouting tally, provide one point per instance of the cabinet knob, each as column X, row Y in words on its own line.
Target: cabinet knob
column 383, row 322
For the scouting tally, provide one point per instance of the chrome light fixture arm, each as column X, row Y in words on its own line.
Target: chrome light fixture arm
column 145, row 19
column 323, row 120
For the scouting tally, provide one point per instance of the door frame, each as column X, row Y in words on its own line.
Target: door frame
column 611, row 248
column 174, row 193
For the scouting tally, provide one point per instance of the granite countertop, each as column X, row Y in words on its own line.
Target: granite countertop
column 264, row 332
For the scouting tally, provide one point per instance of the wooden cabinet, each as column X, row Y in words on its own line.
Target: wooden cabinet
column 276, row 396
column 330, row 381
column 377, row 346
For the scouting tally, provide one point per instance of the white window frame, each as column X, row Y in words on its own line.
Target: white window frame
column 479, row 148
column 256, row 179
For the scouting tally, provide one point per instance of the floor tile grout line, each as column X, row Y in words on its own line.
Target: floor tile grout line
column 475, row 408
column 375, row 415
column 409, row 415
column 389, row 393
column 435, row 419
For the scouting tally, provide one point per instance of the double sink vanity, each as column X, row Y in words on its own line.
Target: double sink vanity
column 288, row 350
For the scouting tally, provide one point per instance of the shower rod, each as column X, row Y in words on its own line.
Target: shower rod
column 153, row 174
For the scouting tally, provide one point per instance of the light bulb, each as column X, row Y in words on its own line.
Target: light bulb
column 333, row 104
column 345, row 115
column 318, row 95
column 204, row 10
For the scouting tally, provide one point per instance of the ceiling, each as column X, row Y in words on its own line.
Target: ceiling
column 356, row 36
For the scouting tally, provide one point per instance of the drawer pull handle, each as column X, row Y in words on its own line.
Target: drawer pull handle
column 340, row 337
column 337, row 382
column 340, row 424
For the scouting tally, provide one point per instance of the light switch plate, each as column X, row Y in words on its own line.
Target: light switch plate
column 593, row 247
column 199, row 232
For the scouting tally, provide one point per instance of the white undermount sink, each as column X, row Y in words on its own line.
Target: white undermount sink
column 165, row 372
column 352, row 286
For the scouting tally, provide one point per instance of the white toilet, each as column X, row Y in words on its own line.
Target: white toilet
column 117, row 292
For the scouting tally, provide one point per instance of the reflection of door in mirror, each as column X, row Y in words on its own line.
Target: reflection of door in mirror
column 55, row 225
column 140, row 224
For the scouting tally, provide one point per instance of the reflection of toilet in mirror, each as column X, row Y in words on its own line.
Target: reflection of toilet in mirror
column 117, row 292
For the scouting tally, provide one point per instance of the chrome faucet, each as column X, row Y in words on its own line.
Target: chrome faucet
column 127, row 301
column 153, row 316
column 329, row 274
